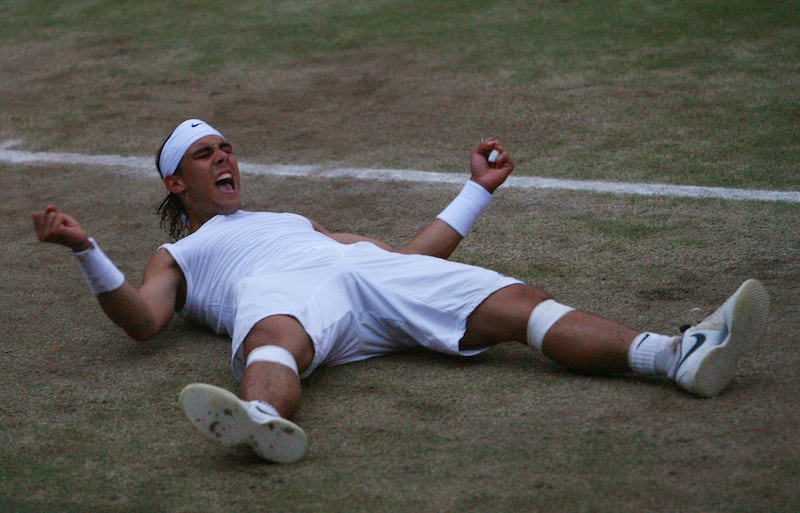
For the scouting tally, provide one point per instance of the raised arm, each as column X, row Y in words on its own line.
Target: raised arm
column 142, row 312
column 441, row 237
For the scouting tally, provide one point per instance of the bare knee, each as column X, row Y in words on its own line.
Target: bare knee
column 283, row 331
column 503, row 316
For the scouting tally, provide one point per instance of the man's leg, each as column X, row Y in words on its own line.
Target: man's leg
column 274, row 382
column 577, row 341
column 277, row 350
column 701, row 361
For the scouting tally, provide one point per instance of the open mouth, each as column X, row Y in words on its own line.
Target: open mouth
column 225, row 183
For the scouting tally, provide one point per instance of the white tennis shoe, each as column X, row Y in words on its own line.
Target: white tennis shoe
column 707, row 353
column 221, row 416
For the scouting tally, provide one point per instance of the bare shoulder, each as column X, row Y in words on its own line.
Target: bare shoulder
column 163, row 266
column 162, row 258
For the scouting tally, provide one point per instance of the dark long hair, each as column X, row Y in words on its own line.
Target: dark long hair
column 173, row 215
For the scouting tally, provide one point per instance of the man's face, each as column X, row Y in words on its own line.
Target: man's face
column 208, row 183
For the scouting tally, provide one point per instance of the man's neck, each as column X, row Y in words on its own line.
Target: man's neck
column 195, row 223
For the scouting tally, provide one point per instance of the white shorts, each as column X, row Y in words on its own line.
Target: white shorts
column 366, row 302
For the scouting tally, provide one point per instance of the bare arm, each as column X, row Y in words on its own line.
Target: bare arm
column 142, row 312
column 438, row 238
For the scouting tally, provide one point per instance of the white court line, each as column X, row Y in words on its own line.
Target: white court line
column 146, row 168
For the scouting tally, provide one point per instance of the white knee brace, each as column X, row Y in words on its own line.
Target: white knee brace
column 273, row 354
column 542, row 319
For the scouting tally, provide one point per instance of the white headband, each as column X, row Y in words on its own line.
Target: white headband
column 179, row 141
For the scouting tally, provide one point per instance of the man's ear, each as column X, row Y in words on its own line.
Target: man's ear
column 174, row 184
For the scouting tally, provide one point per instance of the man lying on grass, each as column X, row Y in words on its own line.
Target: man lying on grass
column 293, row 296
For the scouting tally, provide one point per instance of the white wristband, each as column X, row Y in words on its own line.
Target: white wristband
column 463, row 211
column 100, row 272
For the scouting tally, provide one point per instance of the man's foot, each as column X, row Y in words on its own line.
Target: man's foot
column 220, row 415
column 708, row 352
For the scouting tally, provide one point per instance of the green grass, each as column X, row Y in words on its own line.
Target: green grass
column 682, row 92
column 699, row 93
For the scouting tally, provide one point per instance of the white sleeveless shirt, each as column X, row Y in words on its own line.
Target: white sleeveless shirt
column 227, row 249
column 355, row 301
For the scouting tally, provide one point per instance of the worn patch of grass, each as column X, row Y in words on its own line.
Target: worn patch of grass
column 699, row 93
column 98, row 427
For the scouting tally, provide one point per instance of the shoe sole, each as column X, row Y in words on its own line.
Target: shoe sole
column 220, row 416
column 745, row 315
